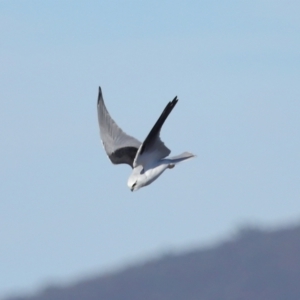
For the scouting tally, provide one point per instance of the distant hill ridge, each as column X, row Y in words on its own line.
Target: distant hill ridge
column 255, row 265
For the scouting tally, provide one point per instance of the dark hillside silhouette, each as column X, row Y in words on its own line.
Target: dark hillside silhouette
column 255, row 265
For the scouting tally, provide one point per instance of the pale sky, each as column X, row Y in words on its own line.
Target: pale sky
column 65, row 210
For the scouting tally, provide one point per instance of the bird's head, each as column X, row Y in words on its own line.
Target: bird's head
column 135, row 181
column 133, row 184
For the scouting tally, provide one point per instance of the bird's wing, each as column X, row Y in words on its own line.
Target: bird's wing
column 120, row 147
column 153, row 148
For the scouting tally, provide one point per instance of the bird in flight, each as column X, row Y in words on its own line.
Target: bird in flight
column 148, row 160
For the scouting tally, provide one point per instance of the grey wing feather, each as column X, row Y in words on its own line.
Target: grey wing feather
column 120, row 147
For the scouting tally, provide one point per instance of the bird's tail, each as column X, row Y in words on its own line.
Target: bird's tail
column 179, row 158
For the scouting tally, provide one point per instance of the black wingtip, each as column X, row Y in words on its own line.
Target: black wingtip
column 99, row 95
column 175, row 100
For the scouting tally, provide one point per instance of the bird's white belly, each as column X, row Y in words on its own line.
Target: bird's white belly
column 153, row 173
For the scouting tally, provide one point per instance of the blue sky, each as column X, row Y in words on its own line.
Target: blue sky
column 65, row 210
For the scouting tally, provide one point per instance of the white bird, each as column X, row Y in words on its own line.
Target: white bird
column 148, row 159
